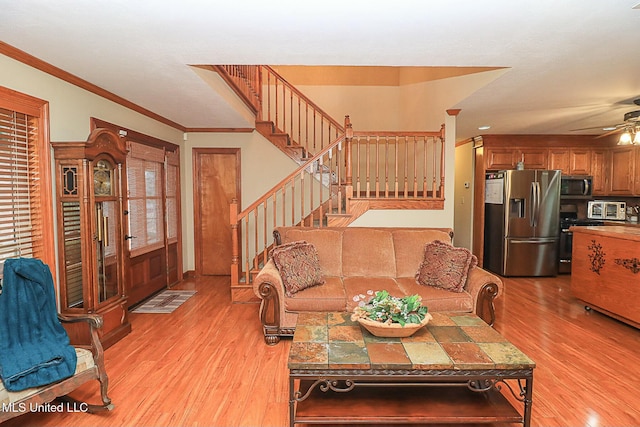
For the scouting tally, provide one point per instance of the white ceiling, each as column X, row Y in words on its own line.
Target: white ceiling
column 572, row 63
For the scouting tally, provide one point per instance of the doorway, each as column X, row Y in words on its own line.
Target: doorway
column 216, row 183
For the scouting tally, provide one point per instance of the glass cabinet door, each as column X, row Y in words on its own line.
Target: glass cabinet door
column 106, row 225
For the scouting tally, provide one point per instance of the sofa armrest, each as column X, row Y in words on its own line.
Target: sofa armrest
column 268, row 286
column 484, row 287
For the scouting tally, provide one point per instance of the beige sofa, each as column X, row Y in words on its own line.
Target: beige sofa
column 354, row 260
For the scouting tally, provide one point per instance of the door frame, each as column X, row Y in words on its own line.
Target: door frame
column 197, row 223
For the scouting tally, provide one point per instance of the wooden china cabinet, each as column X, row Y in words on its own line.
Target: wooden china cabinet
column 91, row 183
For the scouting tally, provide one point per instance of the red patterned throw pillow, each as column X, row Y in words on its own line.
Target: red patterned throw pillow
column 445, row 266
column 298, row 265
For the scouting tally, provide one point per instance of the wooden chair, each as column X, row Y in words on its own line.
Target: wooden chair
column 89, row 366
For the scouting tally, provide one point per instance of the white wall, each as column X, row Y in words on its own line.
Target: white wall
column 463, row 196
column 71, row 107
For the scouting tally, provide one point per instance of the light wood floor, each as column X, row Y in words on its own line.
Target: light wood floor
column 206, row 364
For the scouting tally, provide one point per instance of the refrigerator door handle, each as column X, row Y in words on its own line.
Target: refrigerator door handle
column 538, row 201
column 535, row 204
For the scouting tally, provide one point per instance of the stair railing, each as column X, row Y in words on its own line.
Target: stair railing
column 301, row 199
column 293, row 113
column 274, row 99
column 397, row 165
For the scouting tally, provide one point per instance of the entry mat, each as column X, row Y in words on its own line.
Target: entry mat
column 164, row 302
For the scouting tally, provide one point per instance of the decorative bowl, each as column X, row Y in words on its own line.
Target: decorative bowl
column 392, row 330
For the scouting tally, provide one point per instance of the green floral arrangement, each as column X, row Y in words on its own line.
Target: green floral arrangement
column 388, row 309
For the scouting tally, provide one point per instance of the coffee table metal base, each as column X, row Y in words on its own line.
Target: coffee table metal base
column 408, row 397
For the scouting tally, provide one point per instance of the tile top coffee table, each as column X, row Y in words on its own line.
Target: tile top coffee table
column 451, row 371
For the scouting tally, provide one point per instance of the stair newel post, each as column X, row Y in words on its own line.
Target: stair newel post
column 348, row 179
column 442, row 143
column 235, row 255
column 259, row 92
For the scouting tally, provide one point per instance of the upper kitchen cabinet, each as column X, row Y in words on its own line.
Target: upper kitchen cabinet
column 622, row 164
column 507, row 158
column 499, row 158
column 571, row 161
column 599, row 161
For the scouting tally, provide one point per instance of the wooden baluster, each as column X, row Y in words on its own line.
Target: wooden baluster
column 415, row 167
column 264, row 232
column 386, row 167
column 442, row 165
column 233, row 216
column 302, row 143
column 284, row 108
column 358, row 175
column 284, row 204
column 424, row 167
column 255, row 237
column 367, row 151
column 293, row 202
column 348, row 136
column 321, row 195
column 247, row 268
column 406, row 166
column 302, row 215
column 377, row 167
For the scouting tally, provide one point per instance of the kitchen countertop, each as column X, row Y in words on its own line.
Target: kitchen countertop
column 626, row 231
column 625, row 223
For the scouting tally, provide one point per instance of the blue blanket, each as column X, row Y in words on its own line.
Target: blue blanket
column 34, row 347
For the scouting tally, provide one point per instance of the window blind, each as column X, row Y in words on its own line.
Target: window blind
column 21, row 225
column 145, row 197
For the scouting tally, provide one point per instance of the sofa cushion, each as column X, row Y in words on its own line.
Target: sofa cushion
column 328, row 243
column 437, row 299
column 84, row 362
column 445, row 266
column 328, row 297
column 354, row 286
column 409, row 247
column 367, row 253
column 298, row 265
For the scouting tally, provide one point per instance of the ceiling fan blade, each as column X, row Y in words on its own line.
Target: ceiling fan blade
column 611, row 132
column 591, row 128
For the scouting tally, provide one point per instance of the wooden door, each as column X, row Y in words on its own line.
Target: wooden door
column 216, row 182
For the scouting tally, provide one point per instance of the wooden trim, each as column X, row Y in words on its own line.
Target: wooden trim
column 222, row 130
column 38, row 108
column 197, row 221
column 45, row 67
column 133, row 135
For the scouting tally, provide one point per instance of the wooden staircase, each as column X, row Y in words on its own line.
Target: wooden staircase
column 282, row 140
column 341, row 175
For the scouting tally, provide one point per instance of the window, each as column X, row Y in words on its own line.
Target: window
column 145, row 194
column 26, row 214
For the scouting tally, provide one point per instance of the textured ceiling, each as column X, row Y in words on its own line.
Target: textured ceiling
column 567, row 64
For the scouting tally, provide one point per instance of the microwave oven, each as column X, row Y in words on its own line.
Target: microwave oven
column 603, row 209
column 575, row 187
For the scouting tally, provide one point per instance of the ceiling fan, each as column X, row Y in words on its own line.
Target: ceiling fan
column 629, row 129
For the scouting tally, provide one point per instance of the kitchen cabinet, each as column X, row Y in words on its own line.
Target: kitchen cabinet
column 570, row 161
column 499, row 158
column 91, row 185
column 622, row 171
column 599, row 158
column 533, row 158
column 580, row 161
column 559, row 158
column 507, row 158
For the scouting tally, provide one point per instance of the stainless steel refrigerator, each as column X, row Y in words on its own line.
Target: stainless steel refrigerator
column 522, row 220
